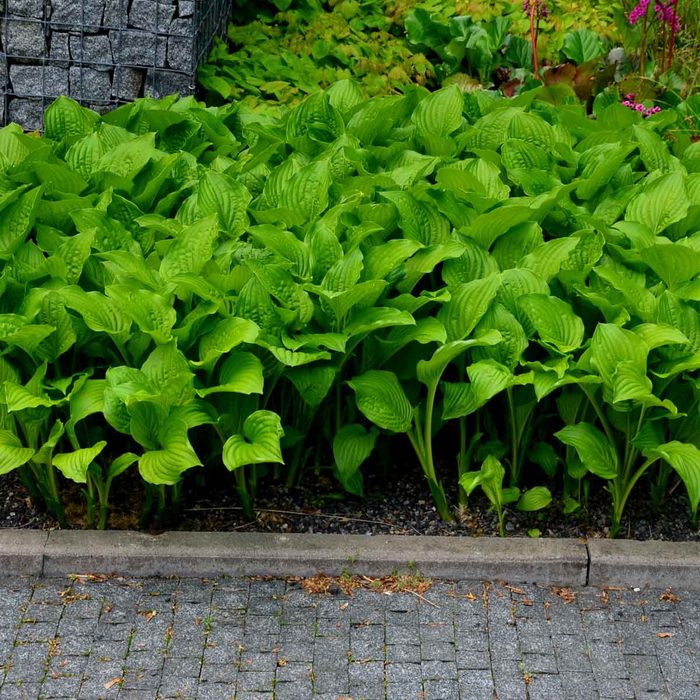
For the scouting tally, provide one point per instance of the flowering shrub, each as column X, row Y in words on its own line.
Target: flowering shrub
column 639, row 106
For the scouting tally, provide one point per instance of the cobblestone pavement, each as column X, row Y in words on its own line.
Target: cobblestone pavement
column 244, row 639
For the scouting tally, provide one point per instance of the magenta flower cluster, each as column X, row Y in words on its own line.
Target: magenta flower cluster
column 639, row 107
column 639, row 11
column 542, row 9
column 665, row 12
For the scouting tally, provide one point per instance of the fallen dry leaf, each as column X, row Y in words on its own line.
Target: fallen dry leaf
column 669, row 596
column 281, row 662
column 664, row 635
column 148, row 614
column 566, row 594
column 113, row 682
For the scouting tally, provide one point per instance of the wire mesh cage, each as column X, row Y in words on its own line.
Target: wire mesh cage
column 100, row 52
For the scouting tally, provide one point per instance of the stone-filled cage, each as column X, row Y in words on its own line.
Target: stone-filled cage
column 100, row 52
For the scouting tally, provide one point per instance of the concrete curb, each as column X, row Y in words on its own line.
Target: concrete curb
column 202, row 554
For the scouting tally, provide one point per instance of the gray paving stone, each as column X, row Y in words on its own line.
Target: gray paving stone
column 440, row 689
column 401, row 674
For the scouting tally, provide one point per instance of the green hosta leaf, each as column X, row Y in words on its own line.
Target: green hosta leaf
column 312, row 383
column 286, row 245
column 294, row 359
column 87, row 400
column 260, row 442
column 657, row 335
column 631, row 384
column 592, row 447
column 340, row 304
column 191, row 249
column 167, row 465
column 74, row 465
column 490, row 479
column 419, row 220
column 554, row 320
column 352, row 445
column 474, row 263
column 167, row 369
column 147, row 419
column 654, row 151
column 99, row 313
column 381, row 399
column 685, row 459
column 121, row 464
column 226, row 335
column 306, row 193
column 12, row 454
column 241, row 373
column 440, row 113
column 514, row 340
column 227, row 198
column 486, row 379
column 153, row 313
column 546, row 260
column 430, row 371
column 19, row 398
column 313, row 123
column 536, row 498
column 66, row 118
column 16, row 222
column 469, row 302
column 530, row 128
column 582, row 45
column 661, row 203
column 673, row 263
column 382, row 259
column 373, row 319
column 611, row 345
column 485, row 229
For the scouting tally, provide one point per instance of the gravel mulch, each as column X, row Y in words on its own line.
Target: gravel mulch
column 393, row 505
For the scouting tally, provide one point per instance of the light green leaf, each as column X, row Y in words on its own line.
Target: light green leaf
column 260, row 441
column 430, row 371
column 74, row 465
column 381, row 399
column 312, row 383
column 592, row 447
column 226, row 335
column 241, row 373
column 468, row 304
column 352, row 445
column 440, row 113
column 554, row 320
column 685, row 459
column 220, row 194
column 12, row 454
column 536, row 498
column 661, row 202
column 167, row 465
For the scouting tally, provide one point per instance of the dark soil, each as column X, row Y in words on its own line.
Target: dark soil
column 393, row 505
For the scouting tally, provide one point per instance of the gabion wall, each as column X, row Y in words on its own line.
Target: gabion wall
column 100, row 52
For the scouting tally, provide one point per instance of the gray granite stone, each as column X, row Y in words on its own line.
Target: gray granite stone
column 23, row 38
column 72, row 14
column 94, row 51
column 27, row 113
column 151, row 16
column 89, row 84
column 185, row 8
column 116, row 14
column 38, row 81
column 181, row 45
column 26, row 8
column 138, row 48
column 59, row 51
column 162, row 83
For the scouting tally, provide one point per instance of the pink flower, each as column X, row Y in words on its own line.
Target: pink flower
column 639, row 11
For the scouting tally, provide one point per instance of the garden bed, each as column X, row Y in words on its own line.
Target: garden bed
column 392, row 507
